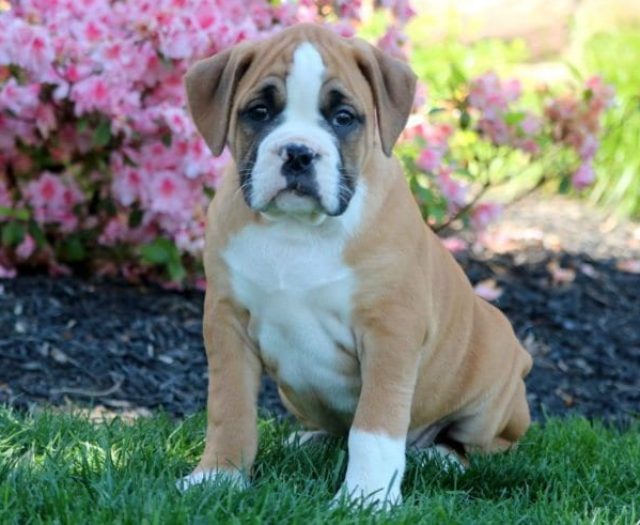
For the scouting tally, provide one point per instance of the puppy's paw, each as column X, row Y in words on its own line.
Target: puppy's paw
column 446, row 457
column 306, row 437
column 235, row 478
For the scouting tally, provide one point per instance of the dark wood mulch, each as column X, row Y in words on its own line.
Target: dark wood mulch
column 69, row 341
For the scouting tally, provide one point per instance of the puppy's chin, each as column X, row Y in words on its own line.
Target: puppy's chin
column 302, row 208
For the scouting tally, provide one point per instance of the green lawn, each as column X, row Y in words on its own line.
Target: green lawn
column 64, row 469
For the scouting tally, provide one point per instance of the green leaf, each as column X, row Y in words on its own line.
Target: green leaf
column 154, row 254
column 587, row 95
column 20, row 214
column 465, row 120
column 73, row 250
column 12, row 233
column 514, row 117
column 565, row 185
column 37, row 234
column 458, row 77
column 164, row 252
column 176, row 270
column 135, row 219
column 102, row 134
column 574, row 70
column 160, row 251
column 166, row 139
column 82, row 125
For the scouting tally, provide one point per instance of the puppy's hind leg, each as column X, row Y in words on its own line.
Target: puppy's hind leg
column 430, row 445
column 300, row 438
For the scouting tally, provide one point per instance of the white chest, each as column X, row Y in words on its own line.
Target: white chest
column 298, row 291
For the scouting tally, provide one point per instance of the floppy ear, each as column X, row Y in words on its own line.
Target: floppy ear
column 210, row 85
column 393, row 84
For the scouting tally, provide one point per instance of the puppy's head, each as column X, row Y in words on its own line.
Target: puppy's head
column 301, row 112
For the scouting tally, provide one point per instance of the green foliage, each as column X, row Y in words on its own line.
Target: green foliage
column 102, row 134
column 12, row 233
column 57, row 468
column 164, row 252
column 616, row 57
column 448, row 65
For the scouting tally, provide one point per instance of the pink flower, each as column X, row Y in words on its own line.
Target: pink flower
column 113, row 232
column 349, row 8
column 583, row 177
column 454, row 244
column 20, row 100
column 495, row 129
column 28, row 46
column 589, row 147
column 430, row 159
column 127, row 186
column 5, row 196
column 26, row 248
column 47, row 191
column 421, row 96
column 485, row 213
column 436, row 138
column 602, row 95
column 531, row 124
column 45, row 119
column 395, row 42
column 343, row 28
column 191, row 239
column 402, row 10
column 177, row 120
column 453, row 191
column 53, row 200
column 7, row 272
column 169, row 194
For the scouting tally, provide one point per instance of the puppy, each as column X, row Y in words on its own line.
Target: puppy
column 321, row 272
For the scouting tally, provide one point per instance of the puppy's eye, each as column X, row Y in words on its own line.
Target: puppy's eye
column 342, row 118
column 259, row 113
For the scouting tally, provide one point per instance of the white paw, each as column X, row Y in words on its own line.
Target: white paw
column 305, row 437
column 448, row 459
column 233, row 477
column 375, row 469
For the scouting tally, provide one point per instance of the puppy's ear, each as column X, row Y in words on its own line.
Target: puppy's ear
column 210, row 86
column 393, row 84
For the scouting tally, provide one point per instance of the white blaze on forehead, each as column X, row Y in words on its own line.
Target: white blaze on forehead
column 303, row 85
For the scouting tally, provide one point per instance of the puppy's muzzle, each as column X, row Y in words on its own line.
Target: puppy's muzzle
column 298, row 169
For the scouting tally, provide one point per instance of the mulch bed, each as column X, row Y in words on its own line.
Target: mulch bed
column 71, row 342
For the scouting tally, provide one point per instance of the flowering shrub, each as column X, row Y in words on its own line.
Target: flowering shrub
column 101, row 167
column 452, row 154
column 99, row 159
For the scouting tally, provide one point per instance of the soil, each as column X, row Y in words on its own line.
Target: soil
column 569, row 285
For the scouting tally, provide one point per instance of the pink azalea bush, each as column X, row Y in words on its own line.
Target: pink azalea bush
column 100, row 161
column 101, row 168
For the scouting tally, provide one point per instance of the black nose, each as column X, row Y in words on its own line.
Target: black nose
column 298, row 159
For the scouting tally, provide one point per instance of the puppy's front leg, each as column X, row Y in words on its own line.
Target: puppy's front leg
column 377, row 439
column 234, row 380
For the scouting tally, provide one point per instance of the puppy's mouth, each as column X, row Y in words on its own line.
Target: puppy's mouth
column 295, row 203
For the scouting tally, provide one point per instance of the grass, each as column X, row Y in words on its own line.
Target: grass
column 60, row 468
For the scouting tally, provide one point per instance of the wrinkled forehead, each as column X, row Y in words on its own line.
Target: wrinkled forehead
column 295, row 64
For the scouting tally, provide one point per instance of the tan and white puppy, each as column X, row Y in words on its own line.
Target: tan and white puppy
column 321, row 271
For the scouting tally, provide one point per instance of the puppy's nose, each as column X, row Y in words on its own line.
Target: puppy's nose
column 297, row 159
